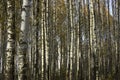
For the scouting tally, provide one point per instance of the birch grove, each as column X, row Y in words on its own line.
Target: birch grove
column 59, row 40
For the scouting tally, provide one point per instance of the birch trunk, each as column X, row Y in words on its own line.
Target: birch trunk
column 10, row 49
column 23, row 43
column 92, row 38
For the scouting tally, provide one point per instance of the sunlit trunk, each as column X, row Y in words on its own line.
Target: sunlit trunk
column 23, row 41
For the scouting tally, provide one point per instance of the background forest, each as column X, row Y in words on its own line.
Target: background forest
column 60, row 40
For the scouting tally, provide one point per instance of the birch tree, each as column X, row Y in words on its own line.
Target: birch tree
column 10, row 48
column 92, row 38
column 23, row 41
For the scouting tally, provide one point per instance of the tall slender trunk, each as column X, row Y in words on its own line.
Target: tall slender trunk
column 3, row 34
column 118, row 40
column 23, row 41
column 36, row 22
column 10, row 48
column 93, row 39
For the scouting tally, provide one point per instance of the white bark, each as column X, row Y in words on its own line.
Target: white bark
column 23, row 43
